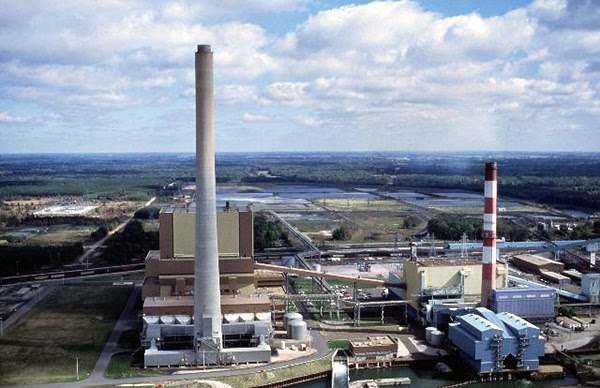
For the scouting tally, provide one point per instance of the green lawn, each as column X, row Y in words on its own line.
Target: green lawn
column 339, row 344
column 111, row 278
column 72, row 322
column 120, row 368
column 277, row 375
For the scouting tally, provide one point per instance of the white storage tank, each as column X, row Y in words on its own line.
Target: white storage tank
column 297, row 330
column 428, row 331
column 437, row 338
column 317, row 267
column 288, row 317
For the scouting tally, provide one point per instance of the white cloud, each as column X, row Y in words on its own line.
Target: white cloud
column 384, row 68
column 311, row 121
column 239, row 93
column 6, row 118
column 254, row 117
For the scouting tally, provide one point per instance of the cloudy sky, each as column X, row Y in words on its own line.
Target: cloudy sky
column 296, row 75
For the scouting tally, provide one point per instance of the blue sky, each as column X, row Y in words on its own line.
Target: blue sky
column 296, row 75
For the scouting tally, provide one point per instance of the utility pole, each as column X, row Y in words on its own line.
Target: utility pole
column 464, row 252
column 432, row 250
column 1, row 327
column 77, row 367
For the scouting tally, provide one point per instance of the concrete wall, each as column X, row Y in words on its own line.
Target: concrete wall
column 152, row 267
column 153, row 357
column 247, row 234
column 235, row 234
column 151, row 287
column 229, row 233
column 165, row 233
column 445, row 276
column 183, row 234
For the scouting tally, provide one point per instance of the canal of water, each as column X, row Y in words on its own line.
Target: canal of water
column 424, row 378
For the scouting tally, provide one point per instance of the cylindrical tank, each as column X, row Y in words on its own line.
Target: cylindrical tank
column 297, row 330
column 428, row 332
column 317, row 267
column 288, row 317
column 437, row 338
column 282, row 346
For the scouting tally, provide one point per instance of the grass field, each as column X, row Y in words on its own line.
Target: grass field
column 477, row 210
column 277, row 375
column 71, row 322
column 62, row 234
column 309, row 226
column 111, row 278
column 338, row 344
column 120, row 368
column 363, row 204
column 370, row 220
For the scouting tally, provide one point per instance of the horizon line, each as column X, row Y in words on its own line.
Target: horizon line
column 302, row 152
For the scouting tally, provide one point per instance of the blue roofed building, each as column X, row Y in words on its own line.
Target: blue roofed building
column 534, row 304
column 490, row 342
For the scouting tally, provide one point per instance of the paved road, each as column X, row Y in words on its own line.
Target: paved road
column 37, row 296
column 127, row 321
column 101, row 242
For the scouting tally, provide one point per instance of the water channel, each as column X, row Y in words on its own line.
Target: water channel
column 424, row 378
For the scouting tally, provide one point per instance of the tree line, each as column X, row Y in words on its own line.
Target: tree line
column 23, row 258
column 268, row 233
column 453, row 227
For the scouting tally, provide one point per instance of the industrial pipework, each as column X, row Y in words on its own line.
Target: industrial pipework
column 207, row 299
column 488, row 281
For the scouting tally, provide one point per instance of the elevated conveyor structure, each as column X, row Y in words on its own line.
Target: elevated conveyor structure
column 559, row 291
column 326, row 275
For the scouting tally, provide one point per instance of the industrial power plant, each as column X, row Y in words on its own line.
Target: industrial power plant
column 207, row 301
column 192, row 330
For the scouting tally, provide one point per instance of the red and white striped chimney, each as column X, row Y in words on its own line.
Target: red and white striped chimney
column 490, row 193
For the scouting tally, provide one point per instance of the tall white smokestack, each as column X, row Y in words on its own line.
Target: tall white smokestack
column 207, row 298
column 488, row 281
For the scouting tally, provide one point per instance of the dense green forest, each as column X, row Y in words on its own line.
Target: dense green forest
column 452, row 228
column 132, row 243
column 269, row 233
column 23, row 258
column 32, row 220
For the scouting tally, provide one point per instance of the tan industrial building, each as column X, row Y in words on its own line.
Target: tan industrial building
column 170, row 270
column 431, row 279
column 448, row 276
column 232, row 306
column 381, row 348
column 234, row 228
column 536, row 264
